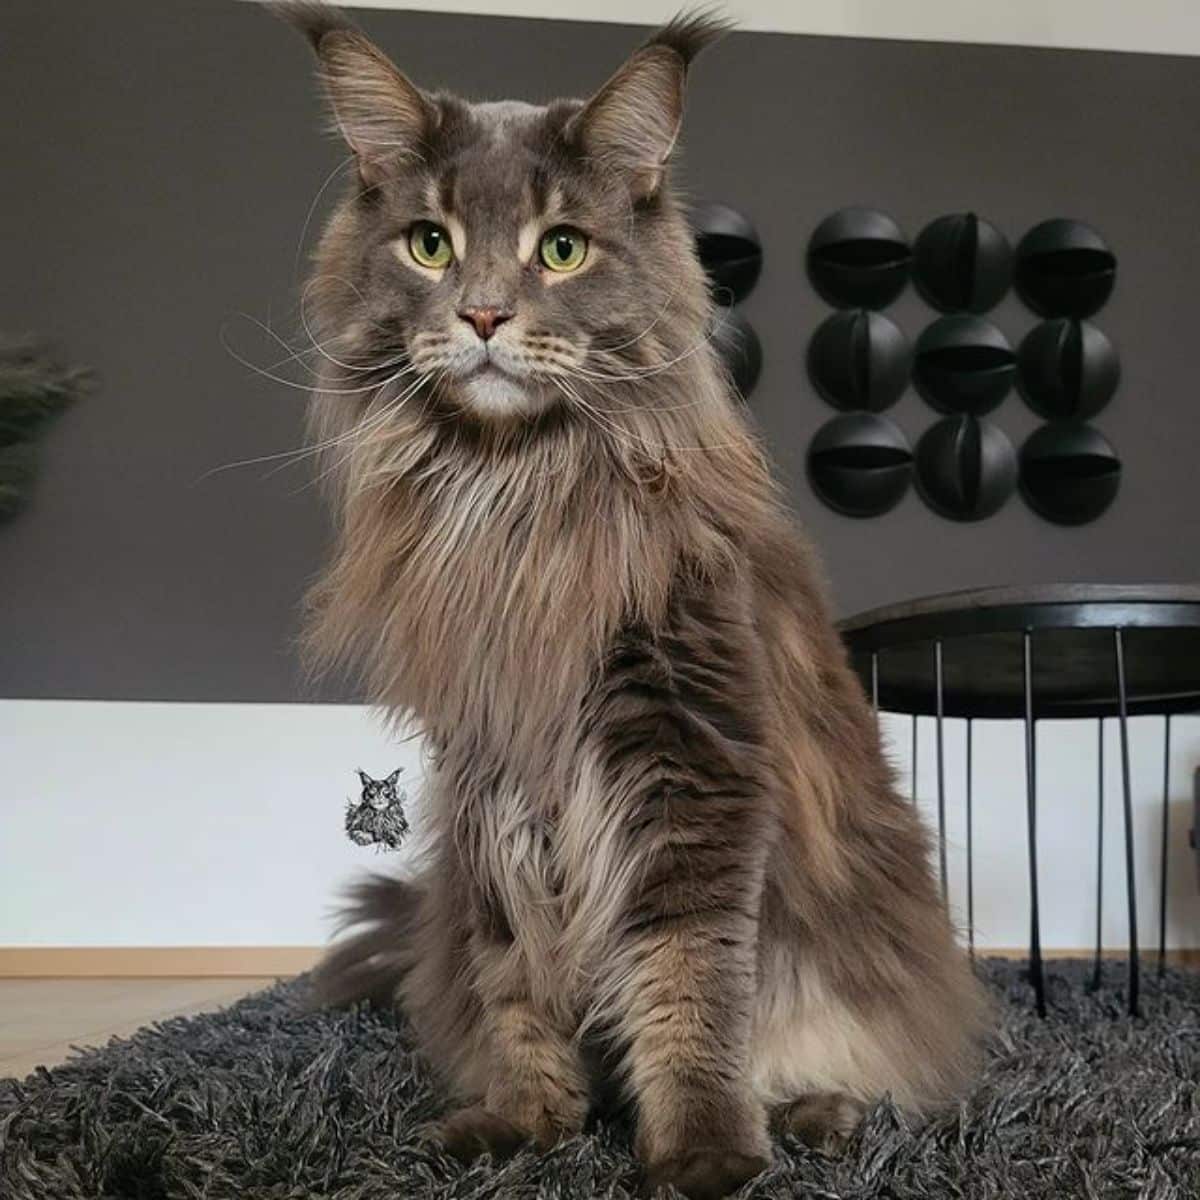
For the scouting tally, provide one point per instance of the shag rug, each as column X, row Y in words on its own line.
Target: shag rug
column 267, row 1100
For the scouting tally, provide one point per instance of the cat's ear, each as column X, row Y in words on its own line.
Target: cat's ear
column 394, row 776
column 384, row 117
column 631, row 124
column 366, row 779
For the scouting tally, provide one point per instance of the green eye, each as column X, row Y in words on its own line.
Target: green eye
column 564, row 248
column 430, row 245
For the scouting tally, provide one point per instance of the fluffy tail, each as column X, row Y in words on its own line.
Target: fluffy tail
column 371, row 964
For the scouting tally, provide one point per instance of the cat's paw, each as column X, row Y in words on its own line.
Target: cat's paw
column 705, row 1174
column 472, row 1132
column 823, row 1120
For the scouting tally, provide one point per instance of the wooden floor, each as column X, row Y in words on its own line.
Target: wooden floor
column 42, row 1019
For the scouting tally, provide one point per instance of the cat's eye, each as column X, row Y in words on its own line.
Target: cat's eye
column 564, row 248
column 430, row 245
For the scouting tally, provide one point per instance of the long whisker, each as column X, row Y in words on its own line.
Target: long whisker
column 635, row 373
column 301, row 387
column 312, row 208
column 389, row 410
column 301, row 452
column 633, row 341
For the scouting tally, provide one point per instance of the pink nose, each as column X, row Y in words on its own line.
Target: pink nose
column 485, row 319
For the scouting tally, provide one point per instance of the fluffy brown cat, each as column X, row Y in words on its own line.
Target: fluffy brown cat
column 665, row 847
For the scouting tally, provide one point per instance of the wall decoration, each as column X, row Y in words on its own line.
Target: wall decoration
column 34, row 389
column 859, row 258
column 1069, row 473
column 739, row 349
column 731, row 255
column 963, row 364
column 729, row 250
column 859, row 360
column 860, row 464
column 1067, row 369
column 1064, row 269
column 962, row 263
column 966, row 468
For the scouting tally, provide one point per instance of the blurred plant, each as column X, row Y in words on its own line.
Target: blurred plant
column 34, row 389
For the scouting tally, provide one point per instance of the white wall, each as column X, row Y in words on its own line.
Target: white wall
column 155, row 824
column 1150, row 26
column 211, row 824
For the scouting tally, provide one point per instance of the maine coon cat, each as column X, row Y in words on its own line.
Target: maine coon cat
column 665, row 850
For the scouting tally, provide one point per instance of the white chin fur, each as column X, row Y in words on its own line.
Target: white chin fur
column 494, row 395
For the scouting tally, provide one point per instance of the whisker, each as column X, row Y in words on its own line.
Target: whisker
column 299, row 453
column 389, row 410
column 301, row 387
column 312, row 208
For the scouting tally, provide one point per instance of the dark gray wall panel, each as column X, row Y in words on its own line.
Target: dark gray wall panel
column 159, row 163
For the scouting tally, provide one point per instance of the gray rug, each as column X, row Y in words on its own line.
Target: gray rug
column 266, row 1100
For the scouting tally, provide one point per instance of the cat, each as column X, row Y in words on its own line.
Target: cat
column 378, row 818
column 665, row 851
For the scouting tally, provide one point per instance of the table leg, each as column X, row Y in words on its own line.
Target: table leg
column 970, row 844
column 914, row 760
column 1130, row 879
column 1162, row 865
column 1035, row 923
column 1096, row 973
column 941, row 769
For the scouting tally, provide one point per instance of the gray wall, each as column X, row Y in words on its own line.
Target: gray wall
column 160, row 161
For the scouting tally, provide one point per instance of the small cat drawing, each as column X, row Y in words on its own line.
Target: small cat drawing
column 377, row 818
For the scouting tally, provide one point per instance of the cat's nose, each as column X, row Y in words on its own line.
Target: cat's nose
column 485, row 318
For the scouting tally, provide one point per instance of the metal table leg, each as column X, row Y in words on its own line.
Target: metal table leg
column 941, row 769
column 1130, row 878
column 1096, row 974
column 970, row 845
column 1163, row 855
column 1035, row 926
column 914, row 760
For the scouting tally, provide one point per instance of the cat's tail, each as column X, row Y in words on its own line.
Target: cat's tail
column 372, row 963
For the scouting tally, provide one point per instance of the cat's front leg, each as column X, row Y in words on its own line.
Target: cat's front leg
column 537, row 1090
column 677, row 742
column 700, row 1126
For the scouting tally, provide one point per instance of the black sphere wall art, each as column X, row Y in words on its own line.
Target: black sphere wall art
column 963, row 365
column 859, row 360
column 1069, row 473
column 739, row 348
column 1064, row 269
column 860, row 464
column 730, row 252
column 1067, row 369
column 962, row 263
column 966, row 468
column 859, row 258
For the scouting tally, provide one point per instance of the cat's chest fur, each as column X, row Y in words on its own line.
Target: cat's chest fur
column 543, row 854
column 508, row 581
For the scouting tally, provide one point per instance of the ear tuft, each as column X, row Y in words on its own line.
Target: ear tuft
column 687, row 33
column 383, row 116
column 310, row 18
column 631, row 124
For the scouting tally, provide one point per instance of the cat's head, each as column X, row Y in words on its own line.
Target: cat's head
column 503, row 262
column 380, row 794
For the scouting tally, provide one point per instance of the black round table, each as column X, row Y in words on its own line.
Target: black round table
column 1058, row 650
